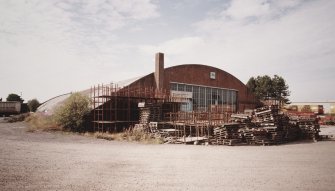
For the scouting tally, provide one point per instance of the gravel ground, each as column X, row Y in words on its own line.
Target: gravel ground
column 56, row 161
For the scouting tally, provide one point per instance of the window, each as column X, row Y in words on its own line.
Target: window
column 224, row 96
column 215, row 100
column 181, row 87
column 173, row 86
column 204, row 97
column 188, row 88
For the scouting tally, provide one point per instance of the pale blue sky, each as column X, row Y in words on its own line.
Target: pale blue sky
column 51, row 47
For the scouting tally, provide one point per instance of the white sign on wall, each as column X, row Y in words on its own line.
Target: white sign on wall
column 212, row 75
column 141, row 104
column 181, row 96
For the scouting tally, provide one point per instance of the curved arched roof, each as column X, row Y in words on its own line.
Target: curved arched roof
column 201, row 66
column 185, row 73
column 193, row 74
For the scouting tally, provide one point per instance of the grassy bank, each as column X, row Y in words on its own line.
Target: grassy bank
column 40, row 122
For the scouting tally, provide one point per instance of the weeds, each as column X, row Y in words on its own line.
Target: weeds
column 41, row 122
column 132, row 135
column 16, row 118
column 38, row 121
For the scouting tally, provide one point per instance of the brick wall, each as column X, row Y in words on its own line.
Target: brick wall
column 200, row 75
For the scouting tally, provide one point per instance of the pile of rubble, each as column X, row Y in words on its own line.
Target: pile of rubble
column 266, row 126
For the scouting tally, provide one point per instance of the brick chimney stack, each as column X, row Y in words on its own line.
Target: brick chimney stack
column 159, row 71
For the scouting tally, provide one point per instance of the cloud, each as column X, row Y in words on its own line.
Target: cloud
column 258, row 9
column 67, row 45
column 68, row 42
column 178, row 50
column 174, row 47
column 83, row 28
column 242, row 9
column 293, row 39
column 75, row 21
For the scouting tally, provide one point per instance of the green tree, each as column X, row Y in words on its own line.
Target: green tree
column 265, row 87
column 252, row 84
column 280, row 90
column 14, row 97
column 33, row 105
column 72, row 113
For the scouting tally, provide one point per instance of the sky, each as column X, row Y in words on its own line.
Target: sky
column 52, row 47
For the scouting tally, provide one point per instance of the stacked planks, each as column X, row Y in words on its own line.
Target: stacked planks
column 308, row 126
column 267, row 126
column 227, row 134
column 144, row 115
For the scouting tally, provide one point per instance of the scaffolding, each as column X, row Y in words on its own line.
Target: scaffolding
column 195, row 125
column 115, row 108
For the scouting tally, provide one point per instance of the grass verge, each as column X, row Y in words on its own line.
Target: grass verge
column 132, row 135
column 38, row 121
column 41, row 122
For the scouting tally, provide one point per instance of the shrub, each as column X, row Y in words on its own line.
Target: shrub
column 38, row 121
column 17, row 118
column 33, row 105
column 72, row 113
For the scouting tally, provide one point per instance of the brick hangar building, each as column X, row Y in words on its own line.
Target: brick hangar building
column 189, row 88
column 189, row 92
column 205, row 87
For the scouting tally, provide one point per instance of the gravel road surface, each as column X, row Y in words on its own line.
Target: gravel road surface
column 56, row 161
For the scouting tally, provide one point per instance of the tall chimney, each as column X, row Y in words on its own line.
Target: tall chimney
column 159, row 70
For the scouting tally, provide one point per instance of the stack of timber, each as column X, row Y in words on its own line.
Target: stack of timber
column 264, row 126
column 291, row 133
column 155, row 113
column 241, row 118
column 150, row 113
column 145, row 121
column 227, row 134
column 269, row 125
column 265, row 115
column 144, row 115
column 308, row 126
column 247, row 135
column 275, row 135
column 261, row 137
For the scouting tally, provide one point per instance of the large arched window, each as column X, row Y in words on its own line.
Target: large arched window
column 205, row 98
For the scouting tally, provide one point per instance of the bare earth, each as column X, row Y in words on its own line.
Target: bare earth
column 55, row 161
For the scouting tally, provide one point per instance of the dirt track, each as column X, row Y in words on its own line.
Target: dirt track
column 54, row 161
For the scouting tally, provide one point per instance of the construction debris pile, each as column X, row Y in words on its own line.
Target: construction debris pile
column 262, row 126
column 149, row 113
column 227, row 134
column 266, row 126
column 307, row 125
